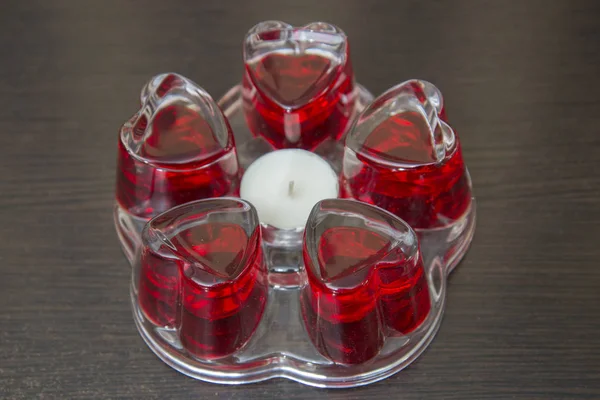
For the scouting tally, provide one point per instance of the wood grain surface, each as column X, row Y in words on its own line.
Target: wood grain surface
column 522, row 85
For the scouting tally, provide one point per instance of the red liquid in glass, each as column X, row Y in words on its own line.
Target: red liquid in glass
column 223, row 289
column 214, row 293
column 404, row 296
column 347, row 342
column 298, row 100
column 423, row 193
column 180, row 160
column 158, row 289
column 365, row 288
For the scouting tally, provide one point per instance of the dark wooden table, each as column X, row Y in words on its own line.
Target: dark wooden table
column 522, row 84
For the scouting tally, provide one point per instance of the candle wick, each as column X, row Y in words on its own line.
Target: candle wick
column 291, row 188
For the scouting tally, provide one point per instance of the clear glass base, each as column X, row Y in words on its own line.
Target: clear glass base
column 280, row 346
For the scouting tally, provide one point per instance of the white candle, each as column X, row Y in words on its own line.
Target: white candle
column 284, row 186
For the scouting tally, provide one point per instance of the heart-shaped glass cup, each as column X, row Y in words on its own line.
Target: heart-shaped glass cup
column 402, row 156
column 366, row 280
column 298, row 86
column 201, row 272
column 177, row 148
